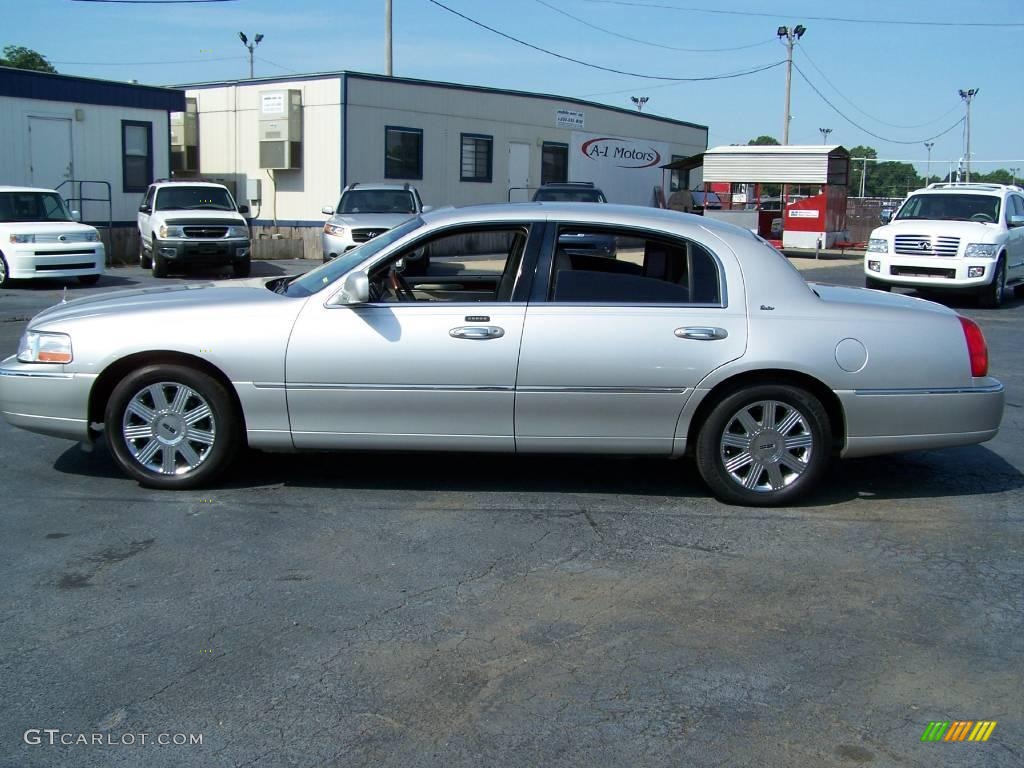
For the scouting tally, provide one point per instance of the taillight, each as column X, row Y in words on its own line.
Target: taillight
column 977, row 350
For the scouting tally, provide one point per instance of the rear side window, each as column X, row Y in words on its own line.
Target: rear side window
column 605, row 266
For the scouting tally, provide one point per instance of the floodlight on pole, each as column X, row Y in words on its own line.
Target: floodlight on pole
column 928, row 168
column 788, row 38
column 968, row 96
column 257, row 38
column 824, row 134
column 639, row 102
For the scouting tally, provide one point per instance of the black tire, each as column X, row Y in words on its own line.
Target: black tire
column 88, row 279
column 242, row 268
column 991, row 296
column 159, row 262
column 223, row 426
column 878, row 285
column 145, row 261
column 810, row 434
column 5, row 281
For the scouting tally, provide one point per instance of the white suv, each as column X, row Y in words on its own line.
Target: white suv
column 367, row 210
column 948, row 236
column 186, row 223
column 39, row 237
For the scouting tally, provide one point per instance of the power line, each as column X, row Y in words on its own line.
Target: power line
column 725, row 76
column 861, row 127
column 274, row 64
column 803, row 52
column 843, row 20
column 612, row 32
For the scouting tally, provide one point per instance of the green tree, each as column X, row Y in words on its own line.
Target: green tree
column 892, row 179
column 20, row 57
column 857, row 167
column 762, row 141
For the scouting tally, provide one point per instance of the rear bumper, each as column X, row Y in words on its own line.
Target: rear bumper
column 26, row 262
column 885, row 421
column 40, row 399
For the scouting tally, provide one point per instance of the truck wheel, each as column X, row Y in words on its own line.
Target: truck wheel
column 159, row 262
column 144, row 261
column 991, row 296
column 878, row 285
column 88, row 279
column 242, row 268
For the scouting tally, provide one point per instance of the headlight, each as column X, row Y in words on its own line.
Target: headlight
column 334, row 229
column 238, row 232
column 23, row 238
column 878, row 245
column 38, row 347
column 982, row 249
column 92, row 237
column 166, row 231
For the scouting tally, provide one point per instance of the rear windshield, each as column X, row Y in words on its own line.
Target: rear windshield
column 193, row 198
column 32, row 206
column 569, row 196
column 377, row 201
column 953, row 207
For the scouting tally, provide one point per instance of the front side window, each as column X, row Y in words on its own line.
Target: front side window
column 136, row 155
column 377, row 201
column 606, row 266
column 32, row 206
column 554, row 163
column 403, row 153
column 951, row 207
column 476, row 153
column 570, row 195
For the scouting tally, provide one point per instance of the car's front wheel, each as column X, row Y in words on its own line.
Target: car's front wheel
column 172, row 427
column 242, row 268
column 878, row 285
column 145, row 259
column 991, row 296
column 4, row 274
column 765, row 445
column 88, row 279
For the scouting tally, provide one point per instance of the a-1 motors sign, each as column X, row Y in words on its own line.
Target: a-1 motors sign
column 627, row 170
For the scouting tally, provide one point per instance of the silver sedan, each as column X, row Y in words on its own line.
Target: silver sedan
column 689, row 337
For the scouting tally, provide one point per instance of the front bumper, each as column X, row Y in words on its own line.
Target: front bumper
column 205, row 252
column 333, row 245
column 45, row 399
column 950, row 272
column 35, row 260
column 884, row 421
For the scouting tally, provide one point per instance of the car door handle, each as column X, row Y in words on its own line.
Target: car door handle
column 477, row 332
column 701, row 333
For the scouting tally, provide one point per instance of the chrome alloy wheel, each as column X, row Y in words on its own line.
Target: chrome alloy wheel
column 766, row 445
column 169, row 428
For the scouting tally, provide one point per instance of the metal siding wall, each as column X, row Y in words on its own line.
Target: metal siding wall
column 793, row 169
column 229, row 146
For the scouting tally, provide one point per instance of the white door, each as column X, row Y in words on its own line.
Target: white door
column 49, row 140
column 518, row 172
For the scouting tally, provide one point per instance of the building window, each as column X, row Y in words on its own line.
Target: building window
column 476, row 153
column 554, row 163
column 403, row 153
column 136, row 156
column 679, row 179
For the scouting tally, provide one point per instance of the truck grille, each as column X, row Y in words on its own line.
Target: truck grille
column 208, row 232
column 362, row 235
column 926, row 245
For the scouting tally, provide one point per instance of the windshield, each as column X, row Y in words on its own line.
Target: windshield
column 953, row 207
column 32, row 206
column 317, row 279
column 569, row 196
column 377, row 201
column 193, row 198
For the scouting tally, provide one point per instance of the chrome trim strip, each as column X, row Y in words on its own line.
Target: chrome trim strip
column 307, row 386
column 608, row 390
column 36, row 374
column 986, row 390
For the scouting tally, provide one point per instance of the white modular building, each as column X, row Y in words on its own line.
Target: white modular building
column 288, row 145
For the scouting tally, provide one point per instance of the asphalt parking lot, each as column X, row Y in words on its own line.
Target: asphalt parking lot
column 398, row 610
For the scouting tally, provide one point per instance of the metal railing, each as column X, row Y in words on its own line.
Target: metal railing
column 80, row 198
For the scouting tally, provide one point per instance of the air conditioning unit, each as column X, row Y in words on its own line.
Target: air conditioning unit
column 280, row 132
column 185, row 139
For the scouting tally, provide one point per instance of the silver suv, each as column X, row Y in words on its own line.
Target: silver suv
column 948, row 236
column 365, row 211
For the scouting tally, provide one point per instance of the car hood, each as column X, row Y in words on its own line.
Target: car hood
column 867, row 297
column 189, row 296
column 202, row 216
column 385, row 220
column 974, row 231
column 48, row 227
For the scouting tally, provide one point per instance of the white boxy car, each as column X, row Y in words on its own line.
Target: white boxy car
column 39, row 237
column 953, row 237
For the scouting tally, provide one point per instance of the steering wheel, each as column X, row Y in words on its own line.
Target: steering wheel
column 984, row 218
column 399, row 286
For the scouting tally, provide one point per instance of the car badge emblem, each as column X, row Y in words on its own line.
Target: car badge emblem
column 371, row 234
column 924, row 245
column 62, row 238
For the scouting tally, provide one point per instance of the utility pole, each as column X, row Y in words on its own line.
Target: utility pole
column 863, row 176
column 789, row 38
column 1013, row 172
column 968, row 96
column 824, row 134
column 928, row 173
column 639, row 101
column 251, row 46
column 387, row 38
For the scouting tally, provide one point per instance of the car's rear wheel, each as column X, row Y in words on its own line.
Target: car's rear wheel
column 765, row 445
column 88, row 279
column 878, row 285
column 172, row 427
column 991, row 296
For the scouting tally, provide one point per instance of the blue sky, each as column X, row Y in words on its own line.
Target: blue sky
column 880, row 75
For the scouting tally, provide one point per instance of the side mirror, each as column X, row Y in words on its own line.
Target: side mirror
column 76, row 215
column 327, row 210
column 243, row 209
column 1016, row 221
column 885, row 216
column 145, row 209
column 427, row 208
column 355, row 289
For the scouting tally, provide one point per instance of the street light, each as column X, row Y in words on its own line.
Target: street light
column 928, row 172
column 824, row 134
column 639, row 102
column 789, row 38
column 251, row 46
column 968, row 96
column 1014, row 172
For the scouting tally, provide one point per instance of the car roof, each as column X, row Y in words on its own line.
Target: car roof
column 995, row 190
column 6, row 188
column 187, row 183
column 372, row 187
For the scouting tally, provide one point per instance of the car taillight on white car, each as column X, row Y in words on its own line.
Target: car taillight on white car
column 977, row 349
